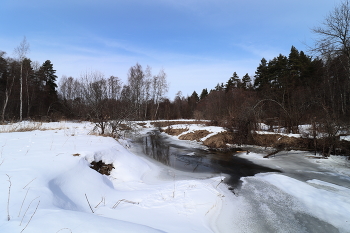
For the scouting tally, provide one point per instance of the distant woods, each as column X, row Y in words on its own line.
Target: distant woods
column 288, row 90
column 29, row 90
column 100, row 99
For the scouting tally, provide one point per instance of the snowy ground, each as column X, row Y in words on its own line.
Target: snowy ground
column 44, row 188
column 49, row 184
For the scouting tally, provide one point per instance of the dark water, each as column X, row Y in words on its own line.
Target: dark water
column 158, row 147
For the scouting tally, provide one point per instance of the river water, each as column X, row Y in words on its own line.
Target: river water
column 198, row 160
column 273, row 210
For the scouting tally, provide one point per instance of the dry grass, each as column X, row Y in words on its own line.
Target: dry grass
column 170, row 123
column 282, row 142
column 196, row 135
column 174, row 132
column 21, row 127
column 124, row 127
column 25, row 127
column 219, row 140
column 142, row 124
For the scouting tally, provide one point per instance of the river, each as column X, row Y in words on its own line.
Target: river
column 161, row 148
column 274, row 210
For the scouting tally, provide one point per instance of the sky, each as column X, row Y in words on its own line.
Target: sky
column 197, row 43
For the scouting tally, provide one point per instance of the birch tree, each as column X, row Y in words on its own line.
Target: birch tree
column 160, row 88
column 21, row 52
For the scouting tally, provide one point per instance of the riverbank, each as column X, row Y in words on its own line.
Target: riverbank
column 218, row 138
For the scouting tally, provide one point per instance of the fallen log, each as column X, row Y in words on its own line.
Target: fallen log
column 272, row 153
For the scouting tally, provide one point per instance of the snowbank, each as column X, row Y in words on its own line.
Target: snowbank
column 53, row 189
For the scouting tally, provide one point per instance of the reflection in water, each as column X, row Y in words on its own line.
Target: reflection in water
column 190, row 159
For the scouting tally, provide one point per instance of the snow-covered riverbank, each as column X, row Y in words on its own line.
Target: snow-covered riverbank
column 48, row 186
column 51, row 189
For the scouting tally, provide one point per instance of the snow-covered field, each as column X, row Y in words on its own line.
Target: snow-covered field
column 47, row 186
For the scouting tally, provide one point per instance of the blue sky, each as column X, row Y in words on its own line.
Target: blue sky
column 198, row 43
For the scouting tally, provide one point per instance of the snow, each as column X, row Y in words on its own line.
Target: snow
column 336, row 211
column 136, row 197
column 282, row 134
column 345, row 138
column 190, row 128
column 53, row 189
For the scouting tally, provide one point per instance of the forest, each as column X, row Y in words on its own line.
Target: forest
column 285, row 92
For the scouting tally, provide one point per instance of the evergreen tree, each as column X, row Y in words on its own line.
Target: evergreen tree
column 246, row 81
column 261, row 76
column 233, row 82
column 194, row 96
column 219, row 87
column 48, row 78
column 204, row 94
column 277, row 72
column 47, row 86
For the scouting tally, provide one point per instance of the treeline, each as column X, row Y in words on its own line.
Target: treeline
column 286, row 91
column 107, row 101
column 27, row 89
column 30, row 91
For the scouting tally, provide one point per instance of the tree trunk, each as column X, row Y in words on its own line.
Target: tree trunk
column 28, row 101
column 20, row 94
column 155, row 115
column 4, row 107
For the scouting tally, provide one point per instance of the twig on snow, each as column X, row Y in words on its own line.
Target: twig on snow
column 27, row 210
column 8, row 199
column 64, row 229
column 100, row 202
column 31, row 217
column 89, row 203
column 124, row 200
column 219, row 182
column 29, row 183
column 22, row 203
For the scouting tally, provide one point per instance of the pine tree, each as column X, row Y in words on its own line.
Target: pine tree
column 48, row 93
column 47, row 75
column 246, row 81
column 261, row 76
column 194, row 96
column 204, row 94
column 219, row 87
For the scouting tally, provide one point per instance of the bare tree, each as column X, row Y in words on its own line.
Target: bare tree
column 114, row 87
column 160, row 87
column 146, row 90
column 136, row 81
column 334, row 34
column 94, row 93
column 21, row 52
column 333, row 43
